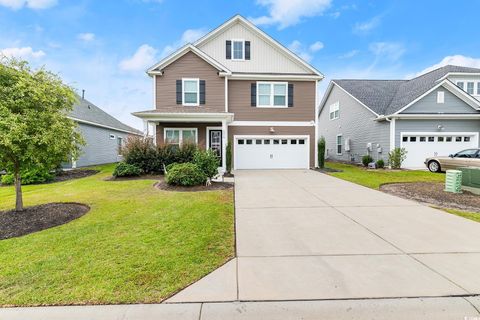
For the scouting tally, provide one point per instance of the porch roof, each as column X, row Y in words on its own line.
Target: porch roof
column 182, row 115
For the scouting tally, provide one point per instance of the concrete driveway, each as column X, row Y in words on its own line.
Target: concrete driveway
column 303, row 235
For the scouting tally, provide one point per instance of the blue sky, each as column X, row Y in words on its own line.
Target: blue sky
column 104, row 46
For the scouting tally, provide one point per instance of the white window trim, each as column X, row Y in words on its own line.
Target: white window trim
column 272, row 94
column 112, row 136
column 476, row 86
column 180, row 136
column 198, row 92
column 332, row 108
column 243, row 55
column 440, row 96
column 336, row 145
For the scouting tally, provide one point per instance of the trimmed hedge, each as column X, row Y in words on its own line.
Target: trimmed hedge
column 185, row 174
column 30, row 176
column 123, row 169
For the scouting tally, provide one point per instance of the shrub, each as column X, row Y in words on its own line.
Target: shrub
column 366, row 159
column 228, row 156
column 170, row 154
column 396, row 157
column 123, row 169
column 380, row 164
column 321, row 153
column 185, row 174
column 141, row 152
column 30, row 176
column 208, row 162
column 185, row 153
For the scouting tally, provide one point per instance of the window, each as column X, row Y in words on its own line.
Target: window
column 112, row 137
column 238, row 49
column 258, row 141
column 466, row 139
column 469, row 153
column 339, row 144
column 431, row 139
column 478, row 88
column 404, row 139
column 249, row 141
column 241, row 141
column 190, row 89
column 440, row 97
column 440, row 139
column 423, row 139
column 335, row 111
column 272, row 94
column 449, row 139
column 284, row 141
column 180, row 136
column 413, row 139
column 470, row 87
column 276, row 141
column 458, row 139
column 266, row 141
column 119, row 144
column 293, row 141
column 301, row 141
column 460, row 84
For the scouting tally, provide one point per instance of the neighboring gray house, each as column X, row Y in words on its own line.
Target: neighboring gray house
column 437, row 113
column 103, row 134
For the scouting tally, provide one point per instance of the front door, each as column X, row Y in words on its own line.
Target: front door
column 215, row 143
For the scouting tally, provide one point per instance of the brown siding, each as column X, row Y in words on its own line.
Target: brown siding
column 237, row 130
column 201, row 127
column 190, row 66
column 303, row 107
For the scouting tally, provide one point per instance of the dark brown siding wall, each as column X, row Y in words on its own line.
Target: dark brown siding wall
column 201, row 127
column 190, row 66
column 303, row 103
column 241, row 130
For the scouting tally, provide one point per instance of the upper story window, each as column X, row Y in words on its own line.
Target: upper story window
column 191, row 92
column 470, row 86
column 334, row 111
column 238, row 49
column 272, row 94
column 461, row 84
column 478, row 88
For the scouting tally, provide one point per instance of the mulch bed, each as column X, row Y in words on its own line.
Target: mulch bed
column 433, row 193
column 74, row 174
column 327, row 170
column 142, row 177
column 162, row 185
column 32, row 219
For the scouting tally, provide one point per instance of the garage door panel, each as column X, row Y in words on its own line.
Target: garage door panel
column 420, row 146
column 286, row 152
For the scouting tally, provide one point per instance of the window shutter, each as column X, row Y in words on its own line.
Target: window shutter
column 290, row 95
column 202, row 91
column 179, row 91
column 228, row 51
column 253, row 94
column 247, row 50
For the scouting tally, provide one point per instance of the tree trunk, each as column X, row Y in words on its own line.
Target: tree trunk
column 18, row 190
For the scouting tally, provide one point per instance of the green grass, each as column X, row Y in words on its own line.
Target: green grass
column 137, row 244
column 475, row 216
column 375, row 178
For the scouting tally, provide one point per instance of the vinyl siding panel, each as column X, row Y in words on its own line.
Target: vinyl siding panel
column 452, row 104
column 264, row 57
column 262, row 131
column 355, row 123
column 303, row 106
column 190, row 66
column 432, row 126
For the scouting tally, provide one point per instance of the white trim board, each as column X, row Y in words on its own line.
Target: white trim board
column 272, row 124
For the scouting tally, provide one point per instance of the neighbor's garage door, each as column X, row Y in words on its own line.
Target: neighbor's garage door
column 286, row 152
column 421, row 146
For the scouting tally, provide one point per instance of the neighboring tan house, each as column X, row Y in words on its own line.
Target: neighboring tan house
column 103, row 134
column 435, row 114
column 237, row 84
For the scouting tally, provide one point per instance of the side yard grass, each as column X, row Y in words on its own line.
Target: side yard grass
column 137, row 244
column 375, row 178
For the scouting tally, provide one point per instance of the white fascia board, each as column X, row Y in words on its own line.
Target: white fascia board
column 444, row 116
column 475, row 74
column 273, row 123
column 325, row 97
column 266, row 76
column 180, row 53
column 102, row 126
column 364, row 105
column 186, row 117
column 263, row 35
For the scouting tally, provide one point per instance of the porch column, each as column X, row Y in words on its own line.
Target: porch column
column 145, row 128
column 224, row 144
column 154, row 132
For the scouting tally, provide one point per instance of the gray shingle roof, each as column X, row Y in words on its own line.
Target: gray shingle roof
column 87, row 111
column 386, row 97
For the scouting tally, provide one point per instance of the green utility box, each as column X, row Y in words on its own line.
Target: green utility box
column 453, row 181
column 471, row 177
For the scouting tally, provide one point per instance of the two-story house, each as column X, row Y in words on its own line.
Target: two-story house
column 434, row 114
column 237, row 84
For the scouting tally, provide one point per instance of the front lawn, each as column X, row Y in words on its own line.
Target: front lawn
column 375, row 178
column 137, row 243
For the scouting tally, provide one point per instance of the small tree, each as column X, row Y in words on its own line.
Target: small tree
column 228, row 155
column 396, row 157
column 34, row 128
column 208, row 162
column 321, row 152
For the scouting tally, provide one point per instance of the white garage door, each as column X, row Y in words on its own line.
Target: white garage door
column 423, row 145
column 285, row 152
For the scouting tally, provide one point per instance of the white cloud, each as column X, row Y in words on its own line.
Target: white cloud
column 391, row 51
column 87, row 37
column 457, row 60
column 286, row 13
column 367, row 26
column 317, row 46
column 349, row 54
column 141, row 59
column 23, row 53
column 32, row 4
column 188, row 36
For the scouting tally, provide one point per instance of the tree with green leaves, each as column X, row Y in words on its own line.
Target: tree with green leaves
column 321, row 152
column 34, row 128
